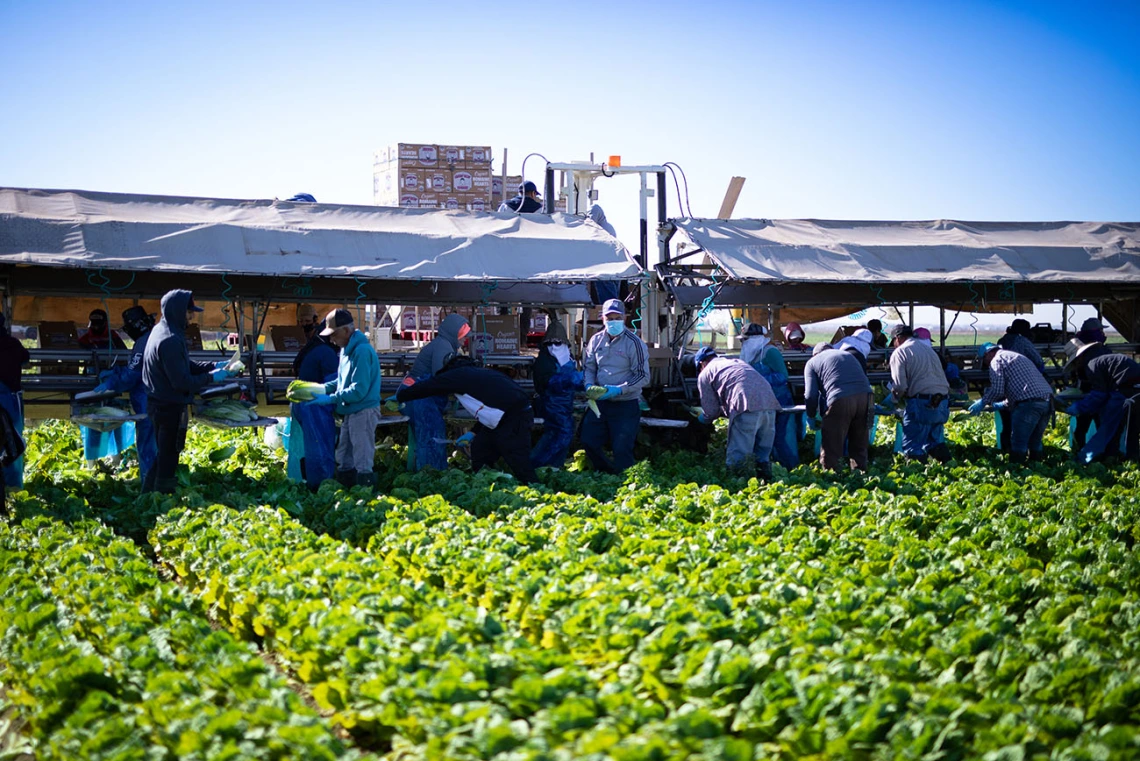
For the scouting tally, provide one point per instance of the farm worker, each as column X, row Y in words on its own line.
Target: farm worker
column 1018, row 337
column 794, row 337
column 356, row 393
column 557, row 398
column 13, row 356
column 604, row 290
column 137, row 324
column 1018, row 386
column 1091, row 332
column 99, row 444
column 510, row 437
column 878, row 338
column 171, row 379
column 526, row 202
column 919, row 381
column 546, row 365
column 427, row 413
column 1115, row 397
column 617, row 359
column 312, row 427
column 1084, row 421
column 732, row 388
column 757, row 350
column 836, row 388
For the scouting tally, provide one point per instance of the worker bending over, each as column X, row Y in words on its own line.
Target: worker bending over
column 427, row 413
column 1019, row 388
column 836, row 389
column 919, row 381
column 1114, row 397
column 732, row 388
column 509, row 439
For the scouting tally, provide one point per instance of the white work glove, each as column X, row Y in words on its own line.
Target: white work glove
column 561, row 353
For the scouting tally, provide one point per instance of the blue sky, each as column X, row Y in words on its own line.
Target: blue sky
column 882, row 110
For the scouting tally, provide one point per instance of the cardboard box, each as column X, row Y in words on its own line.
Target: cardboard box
column 478, row 155
column 438, row 181
column 287, row 337
column 428, row 201
column 451, row 201
column 462, row 181
column 428, row 156
column 479, row 204
column 481, row 180
column 412, row 180
column 451, row 154
column 496, row 334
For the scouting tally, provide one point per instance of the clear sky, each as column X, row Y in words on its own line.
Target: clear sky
column 873, row 110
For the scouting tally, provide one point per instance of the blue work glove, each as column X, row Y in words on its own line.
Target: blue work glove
column 220, row 375
column 323, row 401
column 101, row 388
column 611, row 392
column 106, row 375
column 465, row 440
column 1072, row 409
column 976, row 407
column 1001, row 405
column 703, row 419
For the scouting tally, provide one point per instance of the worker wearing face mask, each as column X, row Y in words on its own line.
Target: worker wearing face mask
column 617, row 359
column 557, row 407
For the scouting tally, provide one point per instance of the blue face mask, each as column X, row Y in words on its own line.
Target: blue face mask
column 615, row 327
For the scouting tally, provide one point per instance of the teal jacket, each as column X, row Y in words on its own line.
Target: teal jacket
column 357, row 384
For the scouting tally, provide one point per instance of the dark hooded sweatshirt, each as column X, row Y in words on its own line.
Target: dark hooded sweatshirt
column 443, row 347
column 169, row 375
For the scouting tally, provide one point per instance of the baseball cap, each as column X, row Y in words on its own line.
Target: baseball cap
column 902, row 330
column 1092, row 323
column 338, row 318
column 528, row 187
column 1021, row 327
column 705, row 352
column 191, row 307
column 755, row 329
column 985, row 349
column 922, row 333
column 613, row 306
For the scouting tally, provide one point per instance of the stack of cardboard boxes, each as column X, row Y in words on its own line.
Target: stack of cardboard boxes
column 428, row 176
column 501, row 191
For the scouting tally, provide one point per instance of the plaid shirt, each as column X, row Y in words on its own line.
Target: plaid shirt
column 1018, row 343
column 1014, row 378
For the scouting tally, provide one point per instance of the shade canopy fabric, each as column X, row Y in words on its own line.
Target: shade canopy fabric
column 938, row 251
column 166, row 234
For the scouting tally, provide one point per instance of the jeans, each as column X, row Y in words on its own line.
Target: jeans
column 510, row 440
column 356, row 449
column 170, row 422
column 428, row 428
column 845, row 422
column 1119, row 415
column 14, row 404
column 922, row 425
column 765, row 436
column 1028, row 420
column 617, row 427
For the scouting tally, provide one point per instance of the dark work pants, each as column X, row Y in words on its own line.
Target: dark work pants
column 1005, row 441
column 169, row 422
column 845, row 421
column 510, row 440
column 618, row 428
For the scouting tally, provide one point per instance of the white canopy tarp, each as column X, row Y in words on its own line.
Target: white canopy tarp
column 70, row 228
column 939, row 251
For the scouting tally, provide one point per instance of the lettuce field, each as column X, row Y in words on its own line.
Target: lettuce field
column 976, row 610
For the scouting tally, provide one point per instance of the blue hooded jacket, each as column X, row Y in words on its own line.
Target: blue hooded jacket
column 168, row 373
column 357, row 384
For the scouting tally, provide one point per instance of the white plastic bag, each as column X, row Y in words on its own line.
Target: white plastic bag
column 488, row 416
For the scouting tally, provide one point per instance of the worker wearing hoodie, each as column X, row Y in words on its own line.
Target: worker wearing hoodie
column 794, row 336
column 356, row 394
column 427, row 413
column 171, row 379
column 757, row 350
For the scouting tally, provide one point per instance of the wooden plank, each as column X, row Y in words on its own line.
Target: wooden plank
column 729, row 203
